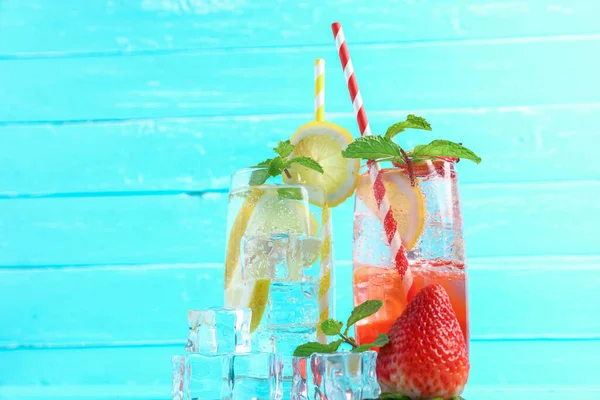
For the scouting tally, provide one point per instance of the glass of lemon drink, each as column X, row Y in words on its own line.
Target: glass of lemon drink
column 279, row 247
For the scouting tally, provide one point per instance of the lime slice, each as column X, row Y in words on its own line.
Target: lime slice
column 324, row 142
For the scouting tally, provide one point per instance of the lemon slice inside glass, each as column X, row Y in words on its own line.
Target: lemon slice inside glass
column 323, row 142
column 262, row 215
column 407, row 202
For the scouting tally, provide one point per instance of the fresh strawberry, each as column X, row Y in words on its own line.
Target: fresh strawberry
column 427, row 356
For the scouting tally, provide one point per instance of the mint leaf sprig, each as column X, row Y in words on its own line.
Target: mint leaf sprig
column 331, row 327
column 383, row 148
column 412, row 121
column 277, row 165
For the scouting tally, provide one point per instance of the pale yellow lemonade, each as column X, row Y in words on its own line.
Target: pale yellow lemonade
column 274, row 263
column 279, row 247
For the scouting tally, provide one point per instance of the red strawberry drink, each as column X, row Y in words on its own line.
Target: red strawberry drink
column 429, row 220
column 408, row 239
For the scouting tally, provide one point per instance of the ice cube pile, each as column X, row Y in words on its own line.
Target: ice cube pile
column 219, row 363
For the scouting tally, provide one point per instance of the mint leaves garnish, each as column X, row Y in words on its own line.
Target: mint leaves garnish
column 412, row 121
column 382, row 148
column 362, row 311
column 380, row 340
column 332, row 327
column 306, row 349
column 284, row 149
column 306, row 162
column 444, row 148
column 277, row 165
column 372, row 148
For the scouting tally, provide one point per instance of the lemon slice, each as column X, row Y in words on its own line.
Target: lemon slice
column 274, row 215
column 262, row 215
column 407, row 202
column 324, row 142
column 292, row 220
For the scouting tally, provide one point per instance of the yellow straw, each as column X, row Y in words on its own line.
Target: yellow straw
column 319, row 89
column 326, row 278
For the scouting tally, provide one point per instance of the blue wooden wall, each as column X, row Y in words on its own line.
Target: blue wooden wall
column 120, row 121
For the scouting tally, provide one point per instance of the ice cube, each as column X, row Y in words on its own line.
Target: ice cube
column 235, row 376
column 219, row 330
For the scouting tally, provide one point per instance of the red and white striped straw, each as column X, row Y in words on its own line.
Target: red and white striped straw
column 389, row 222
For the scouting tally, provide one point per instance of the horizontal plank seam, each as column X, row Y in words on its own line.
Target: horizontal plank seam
column 25, row 56
column 563, row 184
column 523, row 109
column 131, row 193
column 181, row 343
column 493, row 263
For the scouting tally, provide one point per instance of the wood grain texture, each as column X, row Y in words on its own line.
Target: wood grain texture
column 121, row 120
column 200, row 153
column 500, row 220
column 273, row 81
column 38, row 28
column 147, row 304
column 542, row 365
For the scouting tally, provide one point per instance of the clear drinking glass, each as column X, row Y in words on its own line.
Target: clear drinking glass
column 433, row 239
column 278, row 260
column 349, row 376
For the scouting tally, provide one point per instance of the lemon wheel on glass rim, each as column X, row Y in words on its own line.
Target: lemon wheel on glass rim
column 323, row 142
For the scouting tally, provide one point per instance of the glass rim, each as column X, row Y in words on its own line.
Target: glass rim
column 247, row 170
column 444, row 160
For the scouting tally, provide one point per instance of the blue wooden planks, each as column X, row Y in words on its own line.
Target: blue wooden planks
column 271, row 81
column 37, row 28
column 99, row 306
column 500, row 220
column 112, row 109
column 190, row 153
